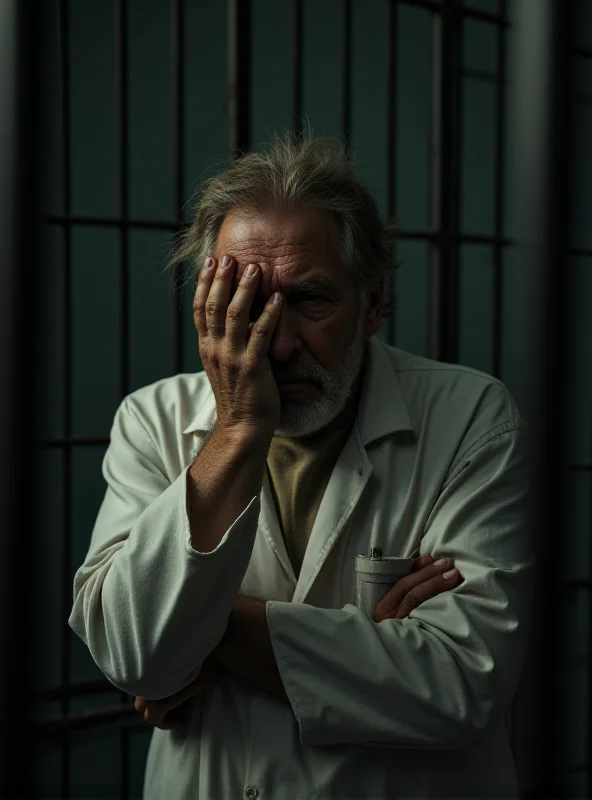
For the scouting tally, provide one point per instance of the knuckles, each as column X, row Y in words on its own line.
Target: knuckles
column 410, row 600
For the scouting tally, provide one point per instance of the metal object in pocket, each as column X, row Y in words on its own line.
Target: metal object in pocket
column 375, row 575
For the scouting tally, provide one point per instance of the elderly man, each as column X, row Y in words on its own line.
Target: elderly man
column 220, row 586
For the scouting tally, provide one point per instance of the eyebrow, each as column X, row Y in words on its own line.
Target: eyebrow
column 318, row 284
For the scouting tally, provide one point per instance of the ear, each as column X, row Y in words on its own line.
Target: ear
column 374, row 311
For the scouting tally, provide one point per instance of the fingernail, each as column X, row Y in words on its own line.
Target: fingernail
column 452, row 573
column 225, row 261
column 209, row 262
column 440, row 562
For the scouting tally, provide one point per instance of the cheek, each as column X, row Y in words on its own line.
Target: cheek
column 325, row 339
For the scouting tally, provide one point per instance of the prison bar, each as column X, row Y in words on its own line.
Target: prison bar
column 297, row 42
column 155, row 224
column 239, row 76
column 391, row 143
column 443, row 285
column 66, row 542
column 541, row 142
column 499, row 172
column 125, row 716
column 178, row 95
column 346, row 70
column 18, row 172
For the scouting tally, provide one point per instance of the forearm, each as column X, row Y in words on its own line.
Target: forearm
column 152, row 608
column 396, row 683
column 246, row 649
column 221, row 482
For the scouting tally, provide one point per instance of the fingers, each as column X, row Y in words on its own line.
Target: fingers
column 389, row 605
column 161, row 714
column 169, row 713
column 219, row 312
column 213, row 296
column 202, row 292
column 262, row 332
column 423, row 561
column 425, row 591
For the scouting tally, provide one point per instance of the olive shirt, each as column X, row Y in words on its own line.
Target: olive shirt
column 433, row 462
column 299, row 470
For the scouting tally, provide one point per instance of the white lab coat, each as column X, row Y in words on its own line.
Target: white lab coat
column 435, row 463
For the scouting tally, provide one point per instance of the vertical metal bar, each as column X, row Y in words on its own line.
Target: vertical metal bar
column 18, row 94
column 239, row 76
column 297, row 61
column 500, row 129
column 391, row 122
column 499, row 166
column 121, row 79
column 346, row 71
column 391, row 138
column 121, row 83
column 541, row 183
column 445, row 188
column 178, row 75
column 66, row 553
column 588, row 593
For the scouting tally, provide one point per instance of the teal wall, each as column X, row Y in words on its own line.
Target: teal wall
column 94, row 313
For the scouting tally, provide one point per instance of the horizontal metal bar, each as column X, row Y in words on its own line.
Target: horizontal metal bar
column 111, row 222
column 74, row 689
column 438, row 7
column 430, row 235
column 70, row 440
column 482, row 75
column 83, row 720
column 435, row 237
column 486, row 16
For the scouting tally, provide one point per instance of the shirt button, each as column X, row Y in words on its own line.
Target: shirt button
column 251, row 792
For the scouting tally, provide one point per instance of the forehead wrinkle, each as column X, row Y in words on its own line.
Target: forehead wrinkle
column 247, row 255
column 260, row 246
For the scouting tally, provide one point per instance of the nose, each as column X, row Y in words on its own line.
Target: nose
column 286, row 343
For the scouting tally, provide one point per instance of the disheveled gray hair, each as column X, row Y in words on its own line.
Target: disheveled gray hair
column 297, row 172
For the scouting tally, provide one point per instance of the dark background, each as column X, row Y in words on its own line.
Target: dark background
column 472, row 122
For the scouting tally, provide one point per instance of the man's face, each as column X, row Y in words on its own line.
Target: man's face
column 321, row 334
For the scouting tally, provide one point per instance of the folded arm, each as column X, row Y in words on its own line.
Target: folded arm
column 246, row 650
column 445, row 676
column 142, row 586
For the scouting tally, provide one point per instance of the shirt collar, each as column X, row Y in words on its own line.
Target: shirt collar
column 382, row 408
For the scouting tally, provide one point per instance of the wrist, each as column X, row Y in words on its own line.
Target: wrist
column 232, row 642
column 242, row 435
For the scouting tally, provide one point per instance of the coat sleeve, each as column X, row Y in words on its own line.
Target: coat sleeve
column 444, row 676
column 148, row 606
